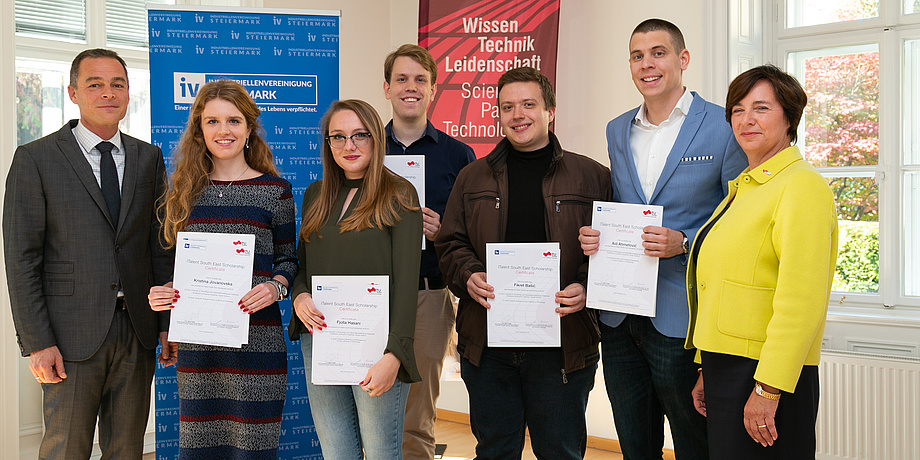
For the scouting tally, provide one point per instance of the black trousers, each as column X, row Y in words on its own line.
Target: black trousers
column 728, row 382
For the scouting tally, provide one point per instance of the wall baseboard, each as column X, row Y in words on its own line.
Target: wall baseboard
column 610, row 445
column 453, row 416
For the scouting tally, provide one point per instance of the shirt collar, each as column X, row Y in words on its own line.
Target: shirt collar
column 430, row 132
column 88, row 139
column 680, row 110
column 770, row 168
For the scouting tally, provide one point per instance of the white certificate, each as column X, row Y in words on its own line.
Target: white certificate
column 412, row 169
column 525, row 277
column 621, row 277
column 357, row 315
column 213, row 271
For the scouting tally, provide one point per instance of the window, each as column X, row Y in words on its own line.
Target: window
column 912, row 6
column 839, row 135
column 49, row 33
column 910, row 145
column 43, row 104
column 126, row 22
column 859, row 61
column 812, row 12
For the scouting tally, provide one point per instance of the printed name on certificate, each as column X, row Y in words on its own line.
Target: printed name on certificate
column 356, row 311
column 525, row 277
column 213, row 271
column 621, row 277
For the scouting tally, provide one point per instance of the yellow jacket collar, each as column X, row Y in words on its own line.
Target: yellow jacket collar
column 770, row 168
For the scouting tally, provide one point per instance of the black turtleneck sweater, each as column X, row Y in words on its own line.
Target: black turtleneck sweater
column 526, row 206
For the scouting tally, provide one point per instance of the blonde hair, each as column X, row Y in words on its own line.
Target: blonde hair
column 193, row 160
column 384, row 194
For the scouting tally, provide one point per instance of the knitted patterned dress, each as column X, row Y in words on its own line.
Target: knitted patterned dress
column 231, row 398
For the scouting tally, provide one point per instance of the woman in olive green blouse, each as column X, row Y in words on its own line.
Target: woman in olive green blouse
column 361, row 219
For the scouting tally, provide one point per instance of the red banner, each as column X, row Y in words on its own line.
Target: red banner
column 474, row 42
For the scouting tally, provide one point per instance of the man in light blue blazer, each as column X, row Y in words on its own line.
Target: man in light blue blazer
column 676, row 151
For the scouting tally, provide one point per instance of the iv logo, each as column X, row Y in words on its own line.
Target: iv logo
column 186, row 86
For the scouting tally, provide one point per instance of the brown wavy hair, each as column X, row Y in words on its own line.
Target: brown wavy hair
column 193, row 160
column 384, row 194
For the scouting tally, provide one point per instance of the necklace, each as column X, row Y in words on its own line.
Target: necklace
column 220, row 193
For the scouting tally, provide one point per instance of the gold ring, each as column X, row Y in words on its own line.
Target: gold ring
column 761, row 426
column 38, row 378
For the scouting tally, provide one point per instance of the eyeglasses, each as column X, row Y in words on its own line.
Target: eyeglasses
column 338, row 141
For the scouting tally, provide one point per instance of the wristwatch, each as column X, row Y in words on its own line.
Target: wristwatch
column 685, row 244
column 280, row 288
column 761, row 392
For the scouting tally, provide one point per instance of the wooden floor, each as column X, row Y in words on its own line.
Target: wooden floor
column 461, row 444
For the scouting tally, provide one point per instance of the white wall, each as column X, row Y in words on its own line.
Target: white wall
column 593, row 83
column 9, row 351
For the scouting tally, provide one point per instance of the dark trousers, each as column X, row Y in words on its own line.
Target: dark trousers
column 113, row 386
column 514, row 389
column 648, row 376
column 728, row 382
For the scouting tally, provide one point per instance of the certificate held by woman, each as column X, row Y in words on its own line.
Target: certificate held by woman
column 357, row 312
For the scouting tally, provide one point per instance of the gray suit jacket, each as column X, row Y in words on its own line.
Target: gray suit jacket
column 64, row 257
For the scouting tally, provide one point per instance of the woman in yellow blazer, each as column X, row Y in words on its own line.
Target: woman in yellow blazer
column 758, row 282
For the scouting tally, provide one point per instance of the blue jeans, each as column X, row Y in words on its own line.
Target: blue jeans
column 347, row 420
column 516, row 388
column 648, row 376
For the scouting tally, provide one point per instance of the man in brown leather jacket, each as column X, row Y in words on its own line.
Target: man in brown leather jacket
column 526, row 190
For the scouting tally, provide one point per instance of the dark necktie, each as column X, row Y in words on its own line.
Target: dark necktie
column 109, row 176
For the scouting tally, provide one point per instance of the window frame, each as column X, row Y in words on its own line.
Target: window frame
column 63, row 51
column 890, row 31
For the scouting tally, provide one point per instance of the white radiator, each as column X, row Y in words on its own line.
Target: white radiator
column 870, row 407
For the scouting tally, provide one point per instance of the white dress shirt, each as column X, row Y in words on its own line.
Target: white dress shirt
column 88, row 141
column 650, row 144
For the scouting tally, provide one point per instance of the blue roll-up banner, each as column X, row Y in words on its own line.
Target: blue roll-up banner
column 289, row 62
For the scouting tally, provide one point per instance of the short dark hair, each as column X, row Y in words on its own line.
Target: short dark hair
column 93, row 53
column 529, row 74
column 418, row 54
column 786, row 88
column 655, row 24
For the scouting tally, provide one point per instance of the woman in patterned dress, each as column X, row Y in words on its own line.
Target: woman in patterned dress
column 225, row 181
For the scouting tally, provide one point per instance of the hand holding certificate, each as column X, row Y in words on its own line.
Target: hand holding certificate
column 213, row 271
column 525, row 277
column 357, row 315
column 621, row 277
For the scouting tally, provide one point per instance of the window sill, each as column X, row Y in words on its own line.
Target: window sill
column 900, row 316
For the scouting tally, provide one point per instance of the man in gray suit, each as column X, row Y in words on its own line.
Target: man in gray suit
column 81, row 240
